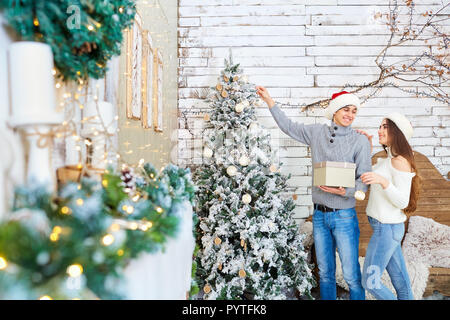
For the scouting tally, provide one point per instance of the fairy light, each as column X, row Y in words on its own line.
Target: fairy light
column 130, row 209
column 120, row 252
column 90, row 28
column 159, row 210
column 53, row 71
column 65, row 210
column 46, row 297
column 105, row 183
column 54, row 237
column 80, row 202
column 3, row 263
column 136, row 198
column 57, row 229
column 74, row 270
column 36, row 22
column 108, row 239
column 58, row 85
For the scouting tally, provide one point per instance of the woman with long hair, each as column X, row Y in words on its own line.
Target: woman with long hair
column 393, row 196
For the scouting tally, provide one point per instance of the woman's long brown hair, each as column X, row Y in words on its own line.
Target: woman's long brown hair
column 401, row 147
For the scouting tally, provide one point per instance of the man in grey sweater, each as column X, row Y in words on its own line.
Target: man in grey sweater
column 335, row 224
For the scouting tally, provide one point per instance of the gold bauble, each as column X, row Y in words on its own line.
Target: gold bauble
column 206, row 117
column 224, row 94
column 242, row 242
column 226, row 78
column 294, row 196
column 207, row 289
column 235, row 78
column 273, row 168
column 220, row 266
column 217, row 241
column 242, row 273
column 219, row 87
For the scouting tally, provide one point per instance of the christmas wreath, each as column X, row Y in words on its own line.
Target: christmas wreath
column 83, row 34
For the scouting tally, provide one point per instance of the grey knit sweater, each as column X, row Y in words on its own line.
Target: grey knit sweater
column 330, row 143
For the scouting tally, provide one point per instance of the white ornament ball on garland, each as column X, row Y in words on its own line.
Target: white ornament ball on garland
column 207, row 152
column 245, row 103
column 244, row 161
column 239, row 108
column 231, row 170
column 246, row 198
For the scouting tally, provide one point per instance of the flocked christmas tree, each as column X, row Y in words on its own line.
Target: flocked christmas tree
column 249, row 244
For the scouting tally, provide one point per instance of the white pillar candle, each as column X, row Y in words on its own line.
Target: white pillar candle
column 32, row 84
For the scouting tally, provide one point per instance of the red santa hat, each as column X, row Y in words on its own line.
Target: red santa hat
column 340, row 100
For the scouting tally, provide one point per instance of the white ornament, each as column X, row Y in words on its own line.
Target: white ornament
column 246, row 198
column 245, row 103
column 244, row 79
column 207, row 152
column 231, row 170
column 244, row 161
column 239, row 108
column 360, row 195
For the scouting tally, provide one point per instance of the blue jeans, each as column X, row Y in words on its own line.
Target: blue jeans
column 385, row 252
column 339, row 230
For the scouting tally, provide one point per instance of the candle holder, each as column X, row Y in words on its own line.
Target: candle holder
column 33, row 107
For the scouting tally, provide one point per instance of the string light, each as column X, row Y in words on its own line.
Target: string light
column 65, row 210
column 80, row 202
column 3, row 263
column 108, row 239
column 159, row 210
column 114, row 227
column 45, row 298
column 74, row 270
column 120, row 252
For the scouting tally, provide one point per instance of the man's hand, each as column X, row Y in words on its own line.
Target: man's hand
column 264, row 94
column 339, row 191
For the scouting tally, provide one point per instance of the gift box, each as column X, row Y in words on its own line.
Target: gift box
column 334, row 174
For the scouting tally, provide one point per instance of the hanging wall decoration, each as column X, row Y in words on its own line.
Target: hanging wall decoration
column 134, row 69
column 158, row 91
column 147, row 80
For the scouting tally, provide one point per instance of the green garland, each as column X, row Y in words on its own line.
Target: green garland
column 80, row 50
column 79, row 227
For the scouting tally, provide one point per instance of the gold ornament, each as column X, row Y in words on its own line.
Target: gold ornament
column 273, row 168
column 242, row 273
column 207, row 289
column 242, row 242
column 220, row 266
column 294, row 196
column 235, row 78
column 219, row 87
column 360, row 195
column 224, row 94
column 217, row 241
column 226, row 78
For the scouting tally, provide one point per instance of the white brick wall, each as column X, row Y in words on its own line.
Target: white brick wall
column 302, row 51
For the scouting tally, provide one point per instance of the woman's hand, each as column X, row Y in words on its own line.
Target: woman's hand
column 264, row 94
column 339, row 191
column 374, row 178
column 368, row 137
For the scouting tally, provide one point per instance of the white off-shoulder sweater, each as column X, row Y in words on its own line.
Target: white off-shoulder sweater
column 386, row 205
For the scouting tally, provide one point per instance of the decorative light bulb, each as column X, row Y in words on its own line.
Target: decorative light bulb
column 3, row 263
column 75, row 270
column 108, row 239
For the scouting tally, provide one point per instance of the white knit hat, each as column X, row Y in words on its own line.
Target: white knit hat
column 340, row 100
column 402, row 123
